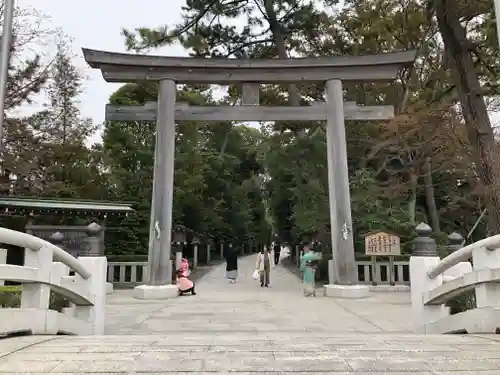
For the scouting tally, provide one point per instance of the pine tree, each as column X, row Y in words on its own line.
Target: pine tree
column 63, row 130
column 61, row 121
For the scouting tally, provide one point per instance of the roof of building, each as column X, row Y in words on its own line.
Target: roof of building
column 65, row 204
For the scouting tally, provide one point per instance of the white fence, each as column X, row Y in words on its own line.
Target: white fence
column 435, row 281
column 381, row 275
column 127, row 274
column 131, row 274
column 47, row 268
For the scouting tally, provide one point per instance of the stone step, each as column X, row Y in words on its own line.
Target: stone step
column 254, row 353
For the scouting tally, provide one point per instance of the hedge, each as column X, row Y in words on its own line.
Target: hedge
column 10, row 296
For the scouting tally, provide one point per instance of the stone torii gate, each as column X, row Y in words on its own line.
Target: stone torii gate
column 169, row 71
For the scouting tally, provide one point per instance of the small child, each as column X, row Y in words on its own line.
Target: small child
column 184, row 285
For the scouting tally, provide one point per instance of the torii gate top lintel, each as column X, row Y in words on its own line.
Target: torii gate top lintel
column 125, row 67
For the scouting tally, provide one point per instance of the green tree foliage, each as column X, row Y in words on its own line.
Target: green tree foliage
column 236, row 182
column 410, row 161
column 63, row 131
column 217, row 188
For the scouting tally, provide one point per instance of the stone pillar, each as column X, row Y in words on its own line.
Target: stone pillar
column 222, row 250
column 455, row 241
column 3, row 260
column 346, row 272
column 195, row 255
column 208, row 253
column 57, row 239
column 178, row 255
column 160, row 233
column 94, row 239
column 37, row 295
column 423, row 258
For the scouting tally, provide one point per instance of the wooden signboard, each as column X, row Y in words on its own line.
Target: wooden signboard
column 382, row 244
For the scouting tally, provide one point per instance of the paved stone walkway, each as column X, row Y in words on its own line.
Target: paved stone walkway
column 244, row 329
column 246, row 307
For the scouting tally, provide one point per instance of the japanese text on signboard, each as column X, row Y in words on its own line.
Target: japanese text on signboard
column 382, row 244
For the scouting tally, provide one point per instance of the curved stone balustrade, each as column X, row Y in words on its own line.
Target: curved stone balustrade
column 127, row 67
column 46, row 268
column 435, row 281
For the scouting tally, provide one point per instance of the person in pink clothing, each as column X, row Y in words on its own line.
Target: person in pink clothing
column 184, row 268
column 184, row 285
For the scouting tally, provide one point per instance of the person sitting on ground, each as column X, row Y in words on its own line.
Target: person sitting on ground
column 184, row 268
column 184, row 285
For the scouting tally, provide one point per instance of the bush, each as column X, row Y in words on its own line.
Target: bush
column 10, row 296
column 464, row 302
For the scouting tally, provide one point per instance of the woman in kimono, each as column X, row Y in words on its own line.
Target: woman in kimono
column 184, row 285
column 308, row 264
column 231, row 264
column 184, row 268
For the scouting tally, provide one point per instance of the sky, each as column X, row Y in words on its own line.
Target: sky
column 97, row 24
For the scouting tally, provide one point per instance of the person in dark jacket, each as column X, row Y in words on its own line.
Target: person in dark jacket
column 231, row 264
column 277, row 251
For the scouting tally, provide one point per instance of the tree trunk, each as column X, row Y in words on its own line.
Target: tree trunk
column 279, row 41
column 458, row 51
column 412, row 202
column 430, row 200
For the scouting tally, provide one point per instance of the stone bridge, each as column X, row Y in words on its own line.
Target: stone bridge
column 242, row 328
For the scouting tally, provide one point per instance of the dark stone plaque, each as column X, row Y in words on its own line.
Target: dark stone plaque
column 75, row 238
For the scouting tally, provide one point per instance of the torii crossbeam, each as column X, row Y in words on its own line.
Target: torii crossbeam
column 185, row 112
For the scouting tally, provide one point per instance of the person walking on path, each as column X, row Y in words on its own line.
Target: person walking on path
column 231, row 264
column 265, row 262
column 308, row 264
column 277, row 251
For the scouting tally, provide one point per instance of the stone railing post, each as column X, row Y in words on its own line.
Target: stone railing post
column 95, row 248
column 96, row 284
column 297, row 255
column 3, row 260
column 455, row 241
column 94, row 239
column 208, row 253
column 423, row 257
column 222, row 250
column 57, row 239
column 487, row 294
column 60, row 270
column 37, row 295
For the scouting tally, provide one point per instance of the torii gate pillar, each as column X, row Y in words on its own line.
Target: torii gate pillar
column 160, row 233
column 345, row 270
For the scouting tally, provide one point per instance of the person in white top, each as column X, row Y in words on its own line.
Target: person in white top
column 264, row 264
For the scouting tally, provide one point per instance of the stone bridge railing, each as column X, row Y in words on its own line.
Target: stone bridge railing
column 435, row 282
column 47, row 269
